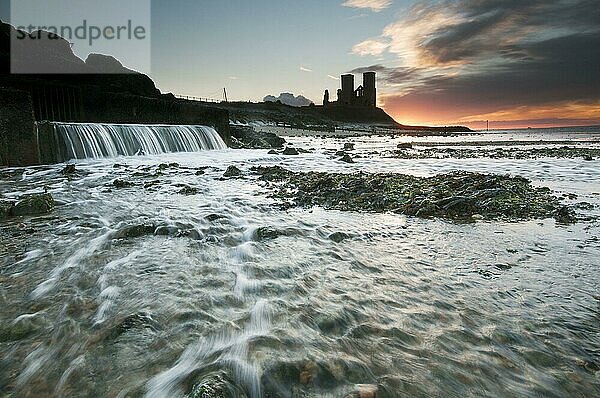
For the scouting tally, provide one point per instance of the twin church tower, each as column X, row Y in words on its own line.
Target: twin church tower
column 365, row 95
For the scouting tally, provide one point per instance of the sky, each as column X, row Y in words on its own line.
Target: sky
column 516, row 63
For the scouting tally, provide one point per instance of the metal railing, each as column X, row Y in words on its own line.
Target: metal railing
column 200, row 99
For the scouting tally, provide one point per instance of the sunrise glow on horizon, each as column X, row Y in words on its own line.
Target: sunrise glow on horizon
column 461, row 62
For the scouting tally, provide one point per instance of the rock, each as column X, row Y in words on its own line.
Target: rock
column 232, row 171
column 564, row 215
column 246, row 137
column 308, row 373
column 587, row 158
column 34, row 205
column 165, row 166
column 215, row 385
column 265, row 233
column 426, row 209
column 289, row 151
column 134, row 231
column 151, row 184
column 21, row 328
column 347, row 159
column 338, row 237
column 404, row 145
column 367, row 391
column 214, row 217
column 459, row 206
column 349, row 146
column 119, row 184
column 189, row 191
column 364, row 391
column 122, row 325
column 6, row 209
column 167, row 230
column 273, row 152
column 68, row 170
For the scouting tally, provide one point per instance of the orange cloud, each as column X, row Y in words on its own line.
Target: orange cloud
column 572, row 110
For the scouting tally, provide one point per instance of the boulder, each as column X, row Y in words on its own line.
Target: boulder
column 338, row 237
column 232, row 171
column 189, row 191
column 405, row 145
column 289, row 151
column 34, row 205
column 118, row 183
column 266, row 233
column 347, row 159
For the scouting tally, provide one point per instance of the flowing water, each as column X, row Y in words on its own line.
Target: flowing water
column 146, row 291
column 83, row 141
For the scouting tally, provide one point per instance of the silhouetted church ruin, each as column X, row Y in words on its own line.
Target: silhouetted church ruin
column 365, row 95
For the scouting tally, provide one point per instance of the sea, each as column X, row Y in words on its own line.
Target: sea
column 149, row 289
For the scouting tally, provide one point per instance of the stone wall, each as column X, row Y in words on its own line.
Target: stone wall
column 18, row 138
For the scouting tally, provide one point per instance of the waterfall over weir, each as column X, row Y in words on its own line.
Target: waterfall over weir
column 82, row 141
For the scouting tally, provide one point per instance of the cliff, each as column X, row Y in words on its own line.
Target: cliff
column 55, row 56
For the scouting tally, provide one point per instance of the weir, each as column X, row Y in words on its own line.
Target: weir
column 60, row 142
column 28, row 109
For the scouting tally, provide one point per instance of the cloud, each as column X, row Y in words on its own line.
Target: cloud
column 370, row 47
column 471, row 57
column 374, row 5
column 303, row 69
column 289, row 99
column 333, row 77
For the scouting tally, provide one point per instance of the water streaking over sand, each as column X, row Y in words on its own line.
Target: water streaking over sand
column 185, row 283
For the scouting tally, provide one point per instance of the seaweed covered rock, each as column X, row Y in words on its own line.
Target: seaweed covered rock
column 5, row 209
column 33, row 205
column 245, row 137
column 456, row 196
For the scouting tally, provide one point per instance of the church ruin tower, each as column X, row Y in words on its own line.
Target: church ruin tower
column 347, row 97
column 363, row 96
column 370, row 91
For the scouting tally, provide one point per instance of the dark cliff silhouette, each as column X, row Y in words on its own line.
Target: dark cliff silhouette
column 54, row 54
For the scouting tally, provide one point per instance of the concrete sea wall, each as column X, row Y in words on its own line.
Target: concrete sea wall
column 18, row 138
column 21, row 145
